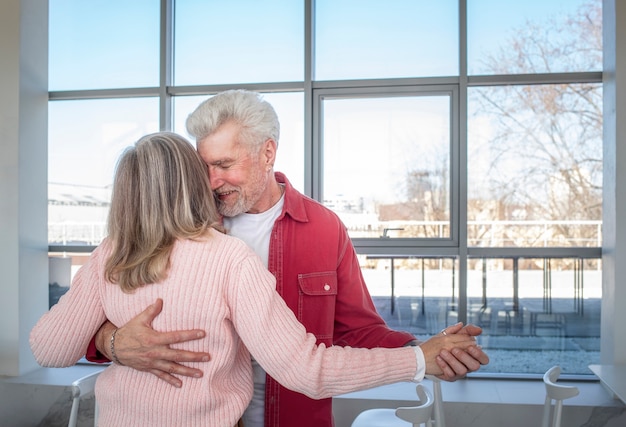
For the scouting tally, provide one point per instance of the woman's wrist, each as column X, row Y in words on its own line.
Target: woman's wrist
column 103, row 339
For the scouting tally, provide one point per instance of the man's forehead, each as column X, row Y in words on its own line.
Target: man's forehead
column 219, row 153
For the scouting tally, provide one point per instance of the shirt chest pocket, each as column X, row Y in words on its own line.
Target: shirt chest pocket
column 316, row 303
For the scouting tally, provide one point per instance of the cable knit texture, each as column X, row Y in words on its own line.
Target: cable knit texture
column 218, row 285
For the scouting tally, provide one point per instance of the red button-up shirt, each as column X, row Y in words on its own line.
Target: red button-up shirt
column 318, row 275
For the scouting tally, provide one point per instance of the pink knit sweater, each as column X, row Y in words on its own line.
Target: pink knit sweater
column 218, row 285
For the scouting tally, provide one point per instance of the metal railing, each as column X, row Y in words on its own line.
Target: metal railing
column 480, row 233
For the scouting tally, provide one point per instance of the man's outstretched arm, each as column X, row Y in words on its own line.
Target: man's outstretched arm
column 140, row 347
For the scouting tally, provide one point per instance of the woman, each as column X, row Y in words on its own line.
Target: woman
column 164, row 242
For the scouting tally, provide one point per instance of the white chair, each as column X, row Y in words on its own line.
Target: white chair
column 400, row 417
column 555, row 392
column 82, row 387
column 438, row 417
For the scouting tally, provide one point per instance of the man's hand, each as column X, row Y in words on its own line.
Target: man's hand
column 456, row 363
column 140, row 347
column 436, row 345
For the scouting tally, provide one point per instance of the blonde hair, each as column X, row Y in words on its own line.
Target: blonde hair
column 161, row 192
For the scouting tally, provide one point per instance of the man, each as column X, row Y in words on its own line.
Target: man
column 303, row 244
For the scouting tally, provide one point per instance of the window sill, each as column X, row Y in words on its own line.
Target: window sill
column 492, row 391
column 54, row 376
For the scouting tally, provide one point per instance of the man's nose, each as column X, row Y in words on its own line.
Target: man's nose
column 215, row 179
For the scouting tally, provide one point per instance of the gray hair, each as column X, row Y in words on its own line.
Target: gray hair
column 255, row 116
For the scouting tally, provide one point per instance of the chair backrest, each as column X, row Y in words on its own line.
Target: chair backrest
column 82, row 387
column 558, row 393
column 421, row 414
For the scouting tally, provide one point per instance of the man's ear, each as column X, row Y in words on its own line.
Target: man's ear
column 269, row 152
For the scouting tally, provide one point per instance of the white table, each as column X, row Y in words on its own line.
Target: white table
column 613, row 377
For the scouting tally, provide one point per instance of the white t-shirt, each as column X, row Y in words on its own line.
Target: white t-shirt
column 255, row 230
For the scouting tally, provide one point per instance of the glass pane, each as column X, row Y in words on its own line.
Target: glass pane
column 386, row 165
column 103, row 44
column 535, row 166
column 417, row 295
column 85, row 139
column 290, row 110
column 537, row 313
column 238, row 41
column 61, row 271
column 534, row 37
column 357, row 39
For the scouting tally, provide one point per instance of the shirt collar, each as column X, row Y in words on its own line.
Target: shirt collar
column 294, row 201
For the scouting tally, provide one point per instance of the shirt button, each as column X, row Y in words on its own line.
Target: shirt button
column 327, row 287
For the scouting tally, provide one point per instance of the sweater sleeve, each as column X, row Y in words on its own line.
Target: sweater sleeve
column 61, row 336
column 288, row 353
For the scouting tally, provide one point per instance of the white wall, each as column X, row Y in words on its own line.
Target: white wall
column 613, row 340
column 23, row 178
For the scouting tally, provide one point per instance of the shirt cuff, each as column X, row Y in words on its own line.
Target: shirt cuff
column 421, row 364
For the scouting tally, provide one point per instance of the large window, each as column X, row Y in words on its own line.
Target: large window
column 535, row 165
column 234, row 42
column 386, row 162
column 459, row 141
column 86, row 137
column 365, row 39
column 103, row 45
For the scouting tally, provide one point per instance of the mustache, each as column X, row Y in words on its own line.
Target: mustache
column 223, row 190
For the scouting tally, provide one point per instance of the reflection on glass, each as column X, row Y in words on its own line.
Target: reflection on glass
column 101, row 45
column 386, row 165
column 417, row 295
column 85, row 139
column 289, row 107
column 356, row 39
column 534, row 37
column 536, row 313
column 238, row 41
column 535, row 166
